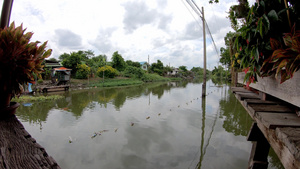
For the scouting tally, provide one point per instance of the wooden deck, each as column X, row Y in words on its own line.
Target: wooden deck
column 46, row 89
column 18, row 150
column 276, row 124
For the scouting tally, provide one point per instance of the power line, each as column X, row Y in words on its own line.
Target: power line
column 197, row 10
column 191, row 14
column 212, row 39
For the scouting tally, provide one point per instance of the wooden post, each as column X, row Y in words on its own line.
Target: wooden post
column 5, row 14
column 260, row 149
column 262, row 95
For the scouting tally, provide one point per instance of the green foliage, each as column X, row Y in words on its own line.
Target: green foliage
column 198, row 71
column 167, row 69
column 75, row 58
column 53, row 59
column 157, row 67
column 213, row 1
column 225, row 52
column 108, row 71
column 118, row 61
column 20, row 59
column 220, row 72
column 266, row 20
column 238, row 14
column 131, row 71
column 46, row 75
column 134, row 64
column 147, row 77
column 183, row 68
column 225, row 56
column 117, row 82
column 25, row 98
column 83, row 71
column 40, row 81
column 71, row 61
column 285, row 58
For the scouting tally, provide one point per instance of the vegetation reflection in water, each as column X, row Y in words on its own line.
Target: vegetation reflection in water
column 157, row 125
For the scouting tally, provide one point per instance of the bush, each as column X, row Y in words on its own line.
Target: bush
column 153, row 78
column 109, row 72
column 40, row 81
column 82, row 71
column 131, row 71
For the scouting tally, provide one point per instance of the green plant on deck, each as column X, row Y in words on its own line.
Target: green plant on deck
column 285, row 58
column 20, row 59
column 267, row 21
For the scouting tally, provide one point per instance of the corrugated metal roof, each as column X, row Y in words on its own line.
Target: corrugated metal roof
column 61, row 69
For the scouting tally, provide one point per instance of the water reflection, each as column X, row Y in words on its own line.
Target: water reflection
column 236, row 118
column 157, row 125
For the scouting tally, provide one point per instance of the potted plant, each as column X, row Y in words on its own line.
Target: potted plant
column 20, row 61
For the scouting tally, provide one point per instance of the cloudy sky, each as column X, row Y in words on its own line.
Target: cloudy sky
column 167, row 30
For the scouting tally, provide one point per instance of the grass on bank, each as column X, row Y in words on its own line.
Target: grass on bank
column 115, row 82
column 121, row 81
column 26, row 98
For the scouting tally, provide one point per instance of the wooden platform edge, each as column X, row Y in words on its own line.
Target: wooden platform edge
column 287, row 152
column 19, row 150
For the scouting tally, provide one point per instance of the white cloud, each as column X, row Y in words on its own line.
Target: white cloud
column 162, row 29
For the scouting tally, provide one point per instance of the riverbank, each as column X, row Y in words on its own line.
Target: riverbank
column 91, row 82
column 99, row 82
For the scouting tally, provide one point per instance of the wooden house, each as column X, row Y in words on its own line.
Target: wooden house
column 60, row 75
column 144, row 65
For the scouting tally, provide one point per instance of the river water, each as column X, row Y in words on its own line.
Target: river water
column 151, row 126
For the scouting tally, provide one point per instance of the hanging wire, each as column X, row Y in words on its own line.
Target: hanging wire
column 192, row 14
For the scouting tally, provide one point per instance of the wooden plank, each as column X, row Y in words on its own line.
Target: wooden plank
column 240, row 89
column 291, row 138
column 253, row 108
column 286, row 157
column 18, row 149
column 243, row 96
column 256, row 101
column 288, row 91
column 273, row 120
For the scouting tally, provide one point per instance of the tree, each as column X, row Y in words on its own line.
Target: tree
column 225, row 52
column 131, row 71
column 167, row 69
column 118, row 61
column 225, row 56
column 53, row 59
column 134, row 64
column 108, row 71
column 157, row 67
column 183, row 68
column 75, row 58
column 83, row 71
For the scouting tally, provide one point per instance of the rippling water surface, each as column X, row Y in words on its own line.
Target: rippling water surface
column 154, row 126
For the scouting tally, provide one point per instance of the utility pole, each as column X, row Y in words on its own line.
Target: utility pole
column 204, row 56
column 201, row 15
column 148, row 65
column 5, row 14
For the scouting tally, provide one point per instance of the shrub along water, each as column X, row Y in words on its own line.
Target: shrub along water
column 26, row 98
